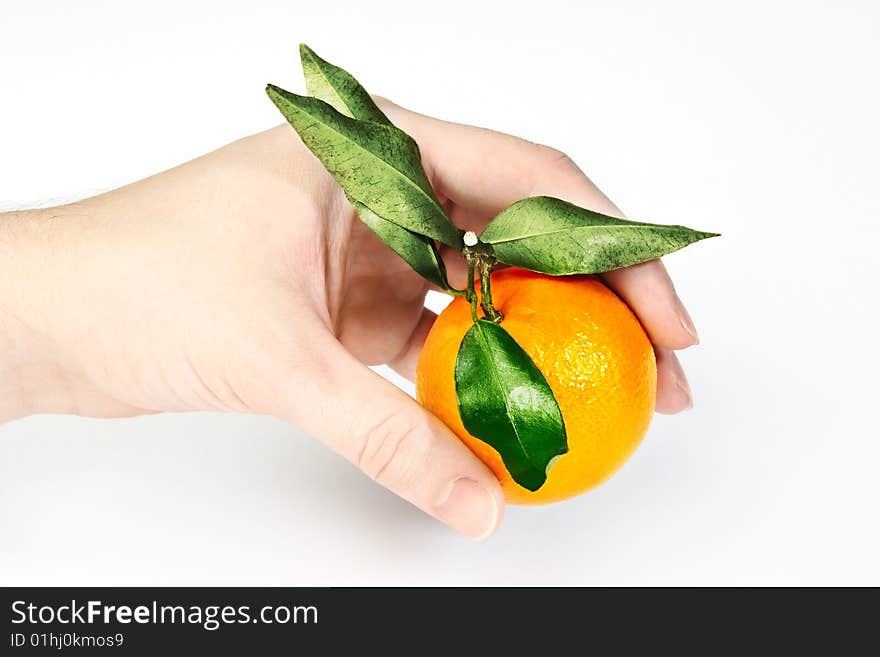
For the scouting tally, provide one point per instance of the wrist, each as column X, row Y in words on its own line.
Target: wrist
column 13, row 404
column 29, row 380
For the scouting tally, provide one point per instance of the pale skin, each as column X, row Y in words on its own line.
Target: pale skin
column 243, row 281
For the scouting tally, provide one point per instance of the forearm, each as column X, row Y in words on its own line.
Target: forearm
column 92, row 293
column 61, row 281
column 29, row 381
column 13, row 383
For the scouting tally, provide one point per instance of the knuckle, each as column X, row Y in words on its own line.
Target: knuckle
column 555, row 158
column 553, row 167
column 393, row 449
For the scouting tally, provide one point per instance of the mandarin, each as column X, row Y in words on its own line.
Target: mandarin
column 595, row 356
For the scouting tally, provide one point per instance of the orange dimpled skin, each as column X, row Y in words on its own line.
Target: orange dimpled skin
column 595, row 356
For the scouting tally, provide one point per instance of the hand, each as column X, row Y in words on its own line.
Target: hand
column 243, row 281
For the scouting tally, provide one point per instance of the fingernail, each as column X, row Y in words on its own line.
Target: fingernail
column 468, row 507
column 687, row 323
column 681, row 383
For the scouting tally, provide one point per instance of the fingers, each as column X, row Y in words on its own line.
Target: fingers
column 649, row 291
column 391, row 438
column 482, row 172
column 405, row 362
column 673, row 391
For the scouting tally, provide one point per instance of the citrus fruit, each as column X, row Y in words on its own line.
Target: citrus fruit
column 595, row 356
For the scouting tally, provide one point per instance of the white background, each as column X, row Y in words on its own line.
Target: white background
column 757, row 120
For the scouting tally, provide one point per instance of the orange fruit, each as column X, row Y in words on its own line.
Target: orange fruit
column 595, row 356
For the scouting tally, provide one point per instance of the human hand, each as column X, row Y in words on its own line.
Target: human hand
column 243, row 281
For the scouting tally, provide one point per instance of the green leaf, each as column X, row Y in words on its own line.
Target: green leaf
column 378, row 165
column 505, row 401
column 551, row 236
column 338, row 88
column 417, row 250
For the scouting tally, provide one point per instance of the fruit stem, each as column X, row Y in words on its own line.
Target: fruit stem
column 479, row 256
column 471, row 292
column 486, row 266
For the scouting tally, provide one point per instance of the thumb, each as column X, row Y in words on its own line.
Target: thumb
column 385, row 433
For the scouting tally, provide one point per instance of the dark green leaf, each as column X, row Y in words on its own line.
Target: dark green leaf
column 418, row 251
column 505, row 401
column 378, row 165
column 338, row 88
column 551, row 236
